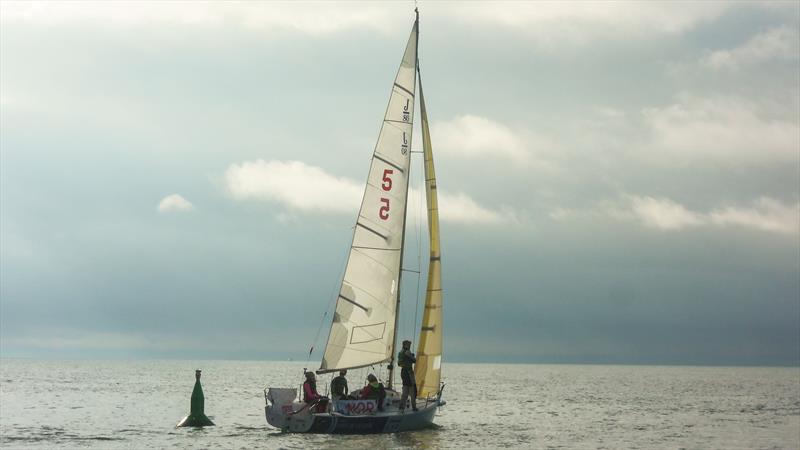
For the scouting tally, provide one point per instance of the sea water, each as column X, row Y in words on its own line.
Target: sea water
column 136, row 404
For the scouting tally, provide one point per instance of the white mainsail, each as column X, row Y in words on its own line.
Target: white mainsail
column 363, row 328
column 429, row 351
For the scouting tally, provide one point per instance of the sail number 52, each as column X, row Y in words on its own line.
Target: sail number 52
column 383, row 212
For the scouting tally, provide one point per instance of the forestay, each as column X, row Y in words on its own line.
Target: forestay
column 362, row 332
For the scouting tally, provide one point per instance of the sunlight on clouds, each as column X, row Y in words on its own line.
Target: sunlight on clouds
column 663, row 213
column 301, row 187
column 311, row 18
column 720, row 129
column 472, row 137
column 463, row 209
column 765, row 214
column 294, row 184
column 577, row 21
column 782, row 43
column 174, row 203
column 119, row 13
column 547, row 21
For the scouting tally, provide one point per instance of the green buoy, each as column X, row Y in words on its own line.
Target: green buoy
column 197, row 416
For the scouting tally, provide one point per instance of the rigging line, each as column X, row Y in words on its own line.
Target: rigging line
column 334, row 298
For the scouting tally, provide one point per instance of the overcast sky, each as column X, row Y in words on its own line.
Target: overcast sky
column 619, row 182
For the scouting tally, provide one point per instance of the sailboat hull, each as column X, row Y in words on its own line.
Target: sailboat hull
column 327, row 423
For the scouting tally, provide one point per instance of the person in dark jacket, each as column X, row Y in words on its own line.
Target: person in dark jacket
column 406, row 360
column 374, row 390
column 339, row 388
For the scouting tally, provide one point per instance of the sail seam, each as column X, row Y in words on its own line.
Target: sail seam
column 388, row 269
column 393, row 124
column 390, row 163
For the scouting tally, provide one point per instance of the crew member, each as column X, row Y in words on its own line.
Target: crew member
column 374, row 390
column 339, row 388
column 310, row 394
column 406, row 360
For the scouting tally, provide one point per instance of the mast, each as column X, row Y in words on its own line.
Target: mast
column 405, row 216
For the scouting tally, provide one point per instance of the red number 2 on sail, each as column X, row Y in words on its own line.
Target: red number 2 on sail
column 387, row 182
column 384, row 211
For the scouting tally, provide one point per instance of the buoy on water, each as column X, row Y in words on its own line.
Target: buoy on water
column 197, row 416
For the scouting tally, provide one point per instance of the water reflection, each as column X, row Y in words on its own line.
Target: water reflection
column 423, row 439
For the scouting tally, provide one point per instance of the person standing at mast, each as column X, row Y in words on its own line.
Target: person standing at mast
column 406, row 360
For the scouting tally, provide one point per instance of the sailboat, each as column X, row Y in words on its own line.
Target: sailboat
column 364, row 326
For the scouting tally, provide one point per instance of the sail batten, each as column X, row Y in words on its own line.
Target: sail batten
column 363, row 330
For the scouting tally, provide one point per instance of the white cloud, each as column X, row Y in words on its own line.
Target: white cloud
column 782, row 43
column 174, row 203
column 765, row 214
column 463, row 209
column 302, row 187
column 574, row 17
column 728, row 130
column 663, row 213
column 309, row 17
column 480, row 138
column 294, row 184
column 561, row 214
column 472, row 136
column 547, row 21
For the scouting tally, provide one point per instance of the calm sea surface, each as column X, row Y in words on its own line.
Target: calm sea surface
column 120, row 404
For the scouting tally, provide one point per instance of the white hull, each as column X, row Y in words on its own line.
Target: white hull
column 297, row 417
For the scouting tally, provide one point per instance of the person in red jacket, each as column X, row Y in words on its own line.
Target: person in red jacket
column 310, row 394
column 374, row 390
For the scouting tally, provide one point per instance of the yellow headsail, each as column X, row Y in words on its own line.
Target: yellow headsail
column 429, row 353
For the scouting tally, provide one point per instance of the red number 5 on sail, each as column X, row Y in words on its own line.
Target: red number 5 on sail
column 387, row 182
column 384, row 211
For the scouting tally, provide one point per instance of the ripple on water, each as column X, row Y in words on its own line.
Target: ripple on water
column 116, row 404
